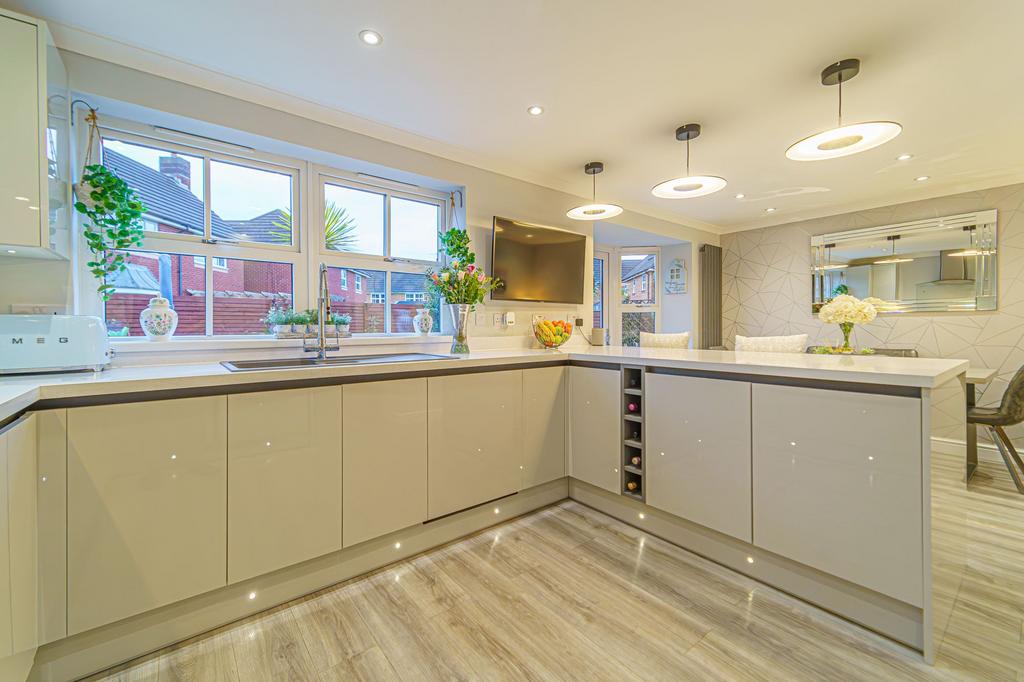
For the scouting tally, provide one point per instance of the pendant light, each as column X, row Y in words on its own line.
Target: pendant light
column 828, row 264
column 971, row 249
column 843, row 140
column 893, row 258
column 691, row 185
column 594, row 210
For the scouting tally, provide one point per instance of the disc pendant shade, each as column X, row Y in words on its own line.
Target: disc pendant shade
column 688, row 186
column 843, row 140
column 594, row 210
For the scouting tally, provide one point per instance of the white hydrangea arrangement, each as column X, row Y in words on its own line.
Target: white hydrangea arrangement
column 846, row 311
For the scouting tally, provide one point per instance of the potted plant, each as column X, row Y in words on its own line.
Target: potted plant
column 460, row 283
column 285, row 323
column 113, row 216
column 341, row 322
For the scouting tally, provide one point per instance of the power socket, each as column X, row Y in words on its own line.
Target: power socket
column 579, row 322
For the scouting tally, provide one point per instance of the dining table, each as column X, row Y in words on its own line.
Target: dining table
column 975, row 376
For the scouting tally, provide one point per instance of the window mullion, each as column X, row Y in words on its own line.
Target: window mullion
column 387, row 300
column 208, row 260
column 207, row 212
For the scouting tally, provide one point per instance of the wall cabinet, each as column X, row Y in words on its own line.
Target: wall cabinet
column 595, row 408
column 839, row 489
column 475, row 439
column 284, row 478
column 698, row 450
column 147, row 505
column 35, row 118
column 385, row 458
column 543, row 425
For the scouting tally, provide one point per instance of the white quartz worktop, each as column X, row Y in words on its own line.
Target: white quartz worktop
column 18, row 393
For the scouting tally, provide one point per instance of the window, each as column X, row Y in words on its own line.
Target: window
column 367, row 309
column 359, row 283
column 415, row 297
column 414, row 229
column 353, row 220
column 344, row 279
column 214, row 222
column 643, row 283
column 409, row 293
column 378, row 297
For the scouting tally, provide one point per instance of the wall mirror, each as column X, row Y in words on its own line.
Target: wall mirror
column 936, row 265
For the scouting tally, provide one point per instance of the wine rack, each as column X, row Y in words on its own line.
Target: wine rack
column 632, row 479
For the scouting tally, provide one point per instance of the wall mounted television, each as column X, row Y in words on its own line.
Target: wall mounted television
column 537, row 264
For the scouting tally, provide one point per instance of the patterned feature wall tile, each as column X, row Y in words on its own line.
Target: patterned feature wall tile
column 766, row 288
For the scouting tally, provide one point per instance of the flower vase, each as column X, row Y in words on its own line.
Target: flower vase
column 847, row 328
column 158, row 320
column 460, row 325
column 423, row 322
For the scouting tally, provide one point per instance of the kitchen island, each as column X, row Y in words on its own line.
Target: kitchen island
column 810, row 473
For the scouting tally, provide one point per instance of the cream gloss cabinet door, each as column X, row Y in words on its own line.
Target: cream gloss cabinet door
column 284, row 478
column 543, row 425
column 21, row 122
column 475, row 439
column 595, row 397
column 51, row 491
column 147, row 512
column 698, row 450
column 837, row 484
column 6, row 635
column 23, row 532
column 385, row 455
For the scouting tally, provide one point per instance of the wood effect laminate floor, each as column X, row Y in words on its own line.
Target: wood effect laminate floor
column 569, row 593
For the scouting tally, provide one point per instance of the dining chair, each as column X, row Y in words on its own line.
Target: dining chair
column 771, row 344
column 1009, row 413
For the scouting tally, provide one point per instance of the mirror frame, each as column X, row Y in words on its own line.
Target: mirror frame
column 986, row 277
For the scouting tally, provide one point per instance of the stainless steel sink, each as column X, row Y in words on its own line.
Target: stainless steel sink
column 298, row 363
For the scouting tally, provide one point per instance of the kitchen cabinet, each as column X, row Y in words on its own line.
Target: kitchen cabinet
column 543, row 425
column 35, row 168
column 284, row 478
column 475, row 439
column 839, row 488
column 385, row 458
column 147, row 503
column 595, row 407
column 6, row 631
column 22, row 533
column 52, row 510
column 698, row 450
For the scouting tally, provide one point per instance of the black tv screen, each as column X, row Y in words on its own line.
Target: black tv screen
column 540, row 264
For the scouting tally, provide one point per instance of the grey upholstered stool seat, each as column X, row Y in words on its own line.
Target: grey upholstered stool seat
column 1009, row 413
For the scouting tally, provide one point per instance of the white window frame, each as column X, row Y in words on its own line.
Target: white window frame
column 324, row 175
column 344, row 279
column 375, row 295
column 359, row 283
column 206, row 246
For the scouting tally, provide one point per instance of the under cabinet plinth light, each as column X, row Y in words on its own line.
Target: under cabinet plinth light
column 740, row 196
column 770, row 209
column 535, row 110
column 922, row 178
column 641, row 516
column 904, row 157
column 252, row 595
column 398, row 545
column 750, row 559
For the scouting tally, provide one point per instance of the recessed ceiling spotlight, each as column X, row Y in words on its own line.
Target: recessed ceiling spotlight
column 691, row 185
column 843, row 140
column 740, row 195
column 535, row 110
column 11, row 251
column 770, row 209
column 371, row 37
column 594, row 210
column 922, row 178
column 904, row 157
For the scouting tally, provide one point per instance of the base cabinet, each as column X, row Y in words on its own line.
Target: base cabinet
column 385, row 458
column 698, row 450
column 475, row 439
column 839, row 488
column 146, row 506
column 543, row 425
column 284, row 478
column 595, row 395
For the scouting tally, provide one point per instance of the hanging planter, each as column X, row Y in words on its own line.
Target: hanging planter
column 112, row 214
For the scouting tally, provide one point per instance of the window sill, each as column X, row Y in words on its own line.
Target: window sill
column 142, row 345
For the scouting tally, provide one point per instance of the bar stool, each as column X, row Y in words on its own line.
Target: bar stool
column 1009, row 413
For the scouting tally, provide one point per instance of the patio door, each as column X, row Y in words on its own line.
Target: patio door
column 639, row 301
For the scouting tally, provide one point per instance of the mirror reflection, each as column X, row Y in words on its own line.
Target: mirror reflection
column 937, row 265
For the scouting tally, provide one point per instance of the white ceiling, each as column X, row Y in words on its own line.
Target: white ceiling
column 616, row 78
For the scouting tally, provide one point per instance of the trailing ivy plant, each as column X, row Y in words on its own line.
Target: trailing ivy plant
column 113, row 222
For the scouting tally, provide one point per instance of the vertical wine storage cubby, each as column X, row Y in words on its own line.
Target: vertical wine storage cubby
column 633, row 432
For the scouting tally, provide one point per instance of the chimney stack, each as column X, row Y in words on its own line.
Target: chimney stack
column 178, row 169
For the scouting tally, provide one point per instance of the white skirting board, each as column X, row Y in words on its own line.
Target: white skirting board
column 947, row 446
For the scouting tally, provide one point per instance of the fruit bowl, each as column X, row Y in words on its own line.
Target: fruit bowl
column 552, row 333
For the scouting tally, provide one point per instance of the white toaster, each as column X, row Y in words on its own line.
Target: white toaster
column 52, row 343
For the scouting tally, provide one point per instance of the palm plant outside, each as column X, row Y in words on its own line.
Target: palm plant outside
column 339, row 228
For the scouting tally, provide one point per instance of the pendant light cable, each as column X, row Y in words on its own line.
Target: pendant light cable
column 840, row 102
